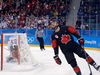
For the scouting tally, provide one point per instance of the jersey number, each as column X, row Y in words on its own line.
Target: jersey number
column 14, row 41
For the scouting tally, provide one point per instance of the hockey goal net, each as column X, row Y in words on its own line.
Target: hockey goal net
column 15, row 52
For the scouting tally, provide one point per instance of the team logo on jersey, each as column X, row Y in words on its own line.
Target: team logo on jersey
column 65, row 39
column 56, row 36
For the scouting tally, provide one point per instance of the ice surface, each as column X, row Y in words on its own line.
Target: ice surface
column 47, row 66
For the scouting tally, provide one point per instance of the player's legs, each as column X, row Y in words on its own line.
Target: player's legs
column 39, row 39
column 9, row 58
column 72, row 61
column 42, row 43
column 81, row 53
column 15, row 54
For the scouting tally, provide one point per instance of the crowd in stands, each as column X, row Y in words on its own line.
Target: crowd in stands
column 89, row 14
column 32, row 13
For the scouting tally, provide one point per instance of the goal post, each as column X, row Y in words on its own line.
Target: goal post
column 1, row 52
column 22, row 58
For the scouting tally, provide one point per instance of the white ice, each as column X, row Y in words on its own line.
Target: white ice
column 47, row 65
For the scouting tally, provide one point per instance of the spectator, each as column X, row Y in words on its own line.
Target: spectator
column 46, row 8
column 55, row 13
column 0, row 6
column 22, row 5
column 13, row 4
column 82, row 3
column 51, row 20
column 19, row 9
column 86, row 17
column 88, row 12
column 15, row 16
column 93, row 15
column 59, row 14
column 16, row 11
column 4, row 24
column 33, row 4
column 50, row 7
column 80, row 14
column 28, row 12
column 44, row 12
column 31, row 16
column 90, row 9
column 80, row 8
column 11, row 16
column 66, row 6
column 84, row 26
column 28, row 6
column 35, row 24
column 17, row 4
column 39, row 21
column 85, row 9
column 78, row 24
column 62, row 6
column 45, row 25
column 58, row 6
column 51, row 14
column 64, row 13
column 55, row 3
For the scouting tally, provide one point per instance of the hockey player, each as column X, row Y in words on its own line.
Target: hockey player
column 13, row 48
column 62, row 36
column 16, row 43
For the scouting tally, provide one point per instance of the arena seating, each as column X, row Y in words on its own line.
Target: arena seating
column 89, row 12
column 30, row 14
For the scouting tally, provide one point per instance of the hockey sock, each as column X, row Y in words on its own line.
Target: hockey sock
column 77, row 70
column 90, row 60
column 75, row 67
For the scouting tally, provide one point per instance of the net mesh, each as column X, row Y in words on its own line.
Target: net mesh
column 16, row 53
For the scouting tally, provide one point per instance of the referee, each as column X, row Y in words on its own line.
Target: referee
column 39, row 35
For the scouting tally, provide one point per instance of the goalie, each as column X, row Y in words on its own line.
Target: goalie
column 13, row 48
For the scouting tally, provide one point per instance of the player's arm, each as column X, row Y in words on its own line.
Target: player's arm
column 43, row 34
column 72, row 30
column 36, row 34
column 54, row 46
column 56, row 51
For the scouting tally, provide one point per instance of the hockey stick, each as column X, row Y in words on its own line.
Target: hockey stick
column 87, row 61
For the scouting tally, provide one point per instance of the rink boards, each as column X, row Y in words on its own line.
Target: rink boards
column 91, row 42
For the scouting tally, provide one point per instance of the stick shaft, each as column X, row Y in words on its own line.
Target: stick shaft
column 87, row 61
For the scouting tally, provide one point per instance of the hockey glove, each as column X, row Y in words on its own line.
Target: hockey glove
column 57, row 59
column 81, row 41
